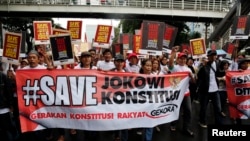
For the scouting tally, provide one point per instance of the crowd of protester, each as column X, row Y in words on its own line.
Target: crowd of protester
column 207, row 84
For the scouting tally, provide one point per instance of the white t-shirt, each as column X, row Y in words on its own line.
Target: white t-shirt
column 132, row 68
column 157, row 72
column 178, row 68
column 78, row 66
column 106, row 66
column 164, row 69
column 213, row 87
column 37, row 67
column 233, row 66
column 115, row 70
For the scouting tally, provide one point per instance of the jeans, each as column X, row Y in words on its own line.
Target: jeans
column 149, row 134
column 223, row 100
column 8, row 131
column 187, row 113
column 204, row 100
column 124, row 135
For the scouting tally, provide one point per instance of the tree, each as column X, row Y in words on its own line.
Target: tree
column 129, row 26
column 194, row 35
column 182, row 34
column 117, row 33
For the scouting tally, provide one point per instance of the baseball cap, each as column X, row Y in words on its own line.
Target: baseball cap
column 132, row 55
column 211, row 52
column 86, row 53
column 182, row 55
column 119, row 57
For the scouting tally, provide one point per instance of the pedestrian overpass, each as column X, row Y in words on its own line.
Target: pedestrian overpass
column 218, row 12
column 169, row 10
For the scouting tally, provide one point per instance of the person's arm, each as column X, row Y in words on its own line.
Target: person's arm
column 47, row 59
column 192, row 78
column 172, row 57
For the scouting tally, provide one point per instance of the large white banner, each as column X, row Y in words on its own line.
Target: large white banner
column 94, row 100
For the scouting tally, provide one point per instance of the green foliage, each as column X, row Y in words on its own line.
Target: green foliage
column 194, row 35
column 129, row 26
column 117, row 33
column 182, row 34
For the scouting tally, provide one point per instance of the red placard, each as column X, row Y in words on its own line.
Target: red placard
column 198, row 46
column 11, row 48
column 103, row 34
column 60, row 31
column 75, row 29
column 137, row 43
column 42, row 31
column 241, row 27
column 117, row 49
column 152, row 37
column 228, row 47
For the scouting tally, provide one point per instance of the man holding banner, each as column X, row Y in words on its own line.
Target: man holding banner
column 186, row 103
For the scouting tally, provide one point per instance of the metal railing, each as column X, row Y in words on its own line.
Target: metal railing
column 200, row 5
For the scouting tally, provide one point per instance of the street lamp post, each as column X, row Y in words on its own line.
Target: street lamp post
column 206, row 28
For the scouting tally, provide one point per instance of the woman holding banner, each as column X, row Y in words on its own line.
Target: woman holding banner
column 146, row 68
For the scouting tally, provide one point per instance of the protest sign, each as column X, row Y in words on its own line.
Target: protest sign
column 169, row 38
column 12, row 47
column 198, row 47
column 241, row 27
column 61, row 47
column 102, row 36
column 42, row 31
column 238, row 91
column 152, row 38
column 99, row 101
column 75, row 29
